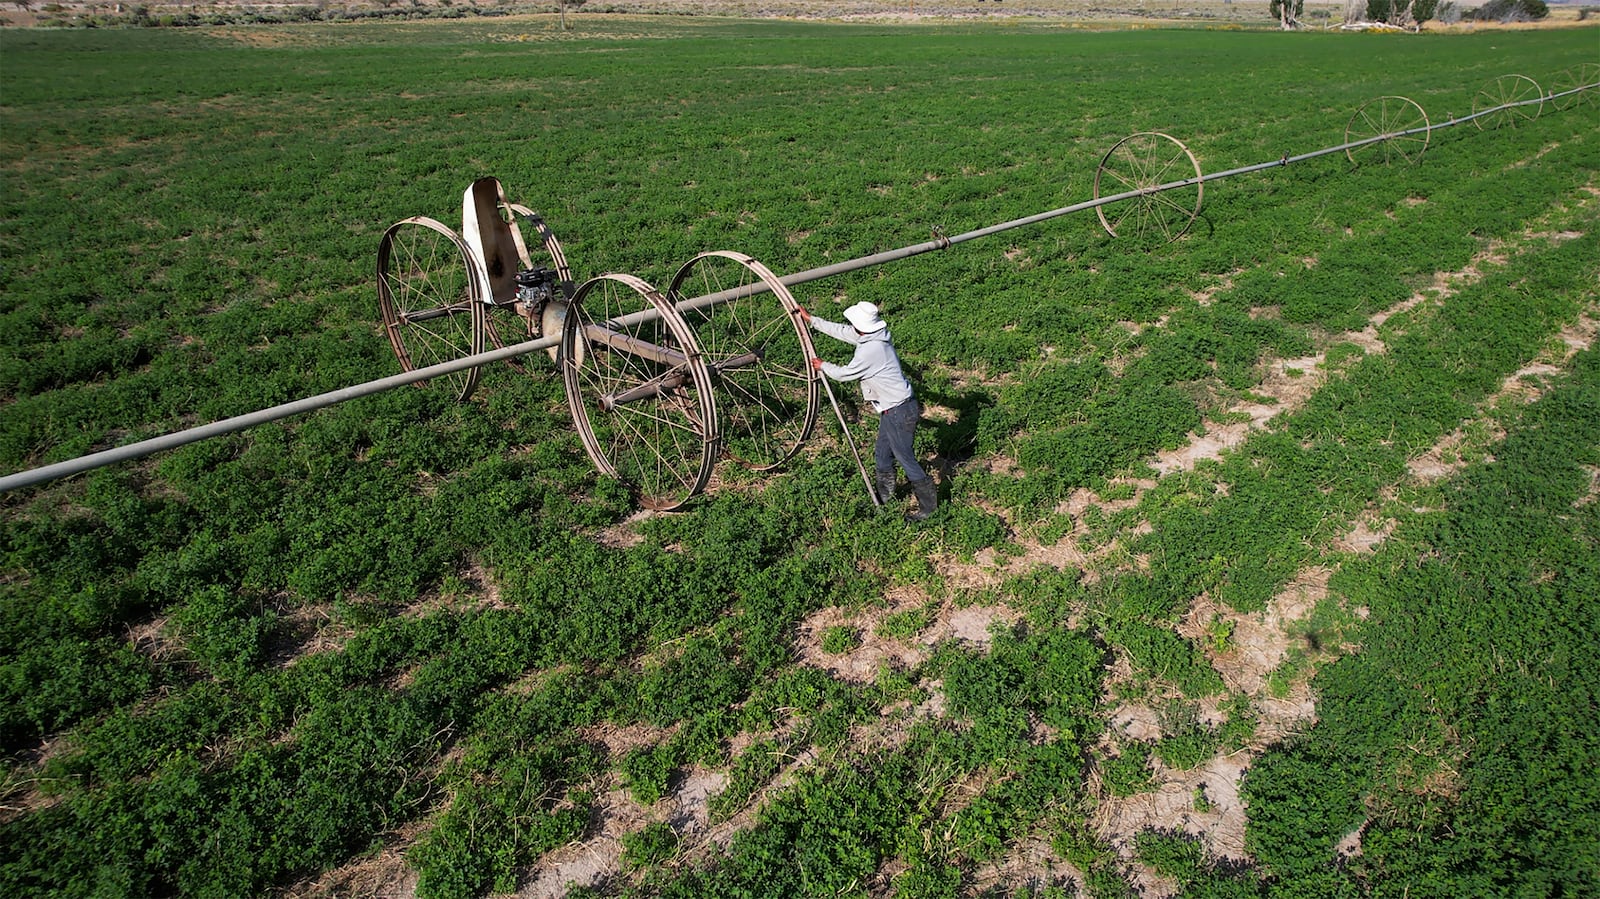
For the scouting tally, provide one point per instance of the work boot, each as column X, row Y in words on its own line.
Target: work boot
column 886, row 486
column 927, row 493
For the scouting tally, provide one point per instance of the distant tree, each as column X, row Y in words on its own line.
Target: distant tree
column 564, row 5
column 1511, row 11
column 1401, row 13
column 1287, row 12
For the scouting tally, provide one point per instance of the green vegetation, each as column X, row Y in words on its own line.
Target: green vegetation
column 1468, row 766
column 840, row 638
column 403, row 624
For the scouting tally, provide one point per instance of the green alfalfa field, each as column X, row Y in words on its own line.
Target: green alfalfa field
column 1267, row 564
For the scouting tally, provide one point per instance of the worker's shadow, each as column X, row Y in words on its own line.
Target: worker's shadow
column 955, row 439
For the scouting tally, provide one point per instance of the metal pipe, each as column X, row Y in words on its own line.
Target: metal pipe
column 174, row 440
column 850, row 441
column 737, row 362
column 652, row 388
column 670, row 381
column 437, row 312
column 627, row 343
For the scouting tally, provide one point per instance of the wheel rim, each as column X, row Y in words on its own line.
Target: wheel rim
column 758, row 352
column 1583, row 76
column 662, row 444
column 1390, row 118
column 429, row 297
column 1144, row 162
column 1496, row 98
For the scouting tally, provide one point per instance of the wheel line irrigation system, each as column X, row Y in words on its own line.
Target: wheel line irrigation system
column 1144, row 193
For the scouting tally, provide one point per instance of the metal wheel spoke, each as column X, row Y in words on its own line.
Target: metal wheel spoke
column 428, row 296
column 1584, row 80
column 1128, row 209
column 644, row 418
column 644, row 446
column 1410, row 149
column 640, row 412
column 1382, row 136
column 1494, row 101
column 757, row 351
column 1160, row 177
column 1168, row 177
column 1161, row 199
column 1124, row 180
column 436, row 346
column 770, row 401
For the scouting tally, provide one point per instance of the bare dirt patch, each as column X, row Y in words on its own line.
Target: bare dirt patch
column 1260, row 640
column 21, row 790
column 598, row 858
column 625, row 533
column 383, row 874
column 619, row 740
column 1369, row 532
column 592, row 860
column 878, row 647
column 1205, row 295
column 1591, row 495
column 860, row 665
column 1458, row 448
column 1203, row 801
column 154, row 640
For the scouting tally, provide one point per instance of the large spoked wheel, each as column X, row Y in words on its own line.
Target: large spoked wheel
column 758, row 352
column 1164, row 180
column 640, row 392
column 431, row 309
column 1400, row 123
column 1580, row 85
column 1506, row 101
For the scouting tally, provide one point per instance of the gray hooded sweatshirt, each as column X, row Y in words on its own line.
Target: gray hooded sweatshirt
column 875, row 364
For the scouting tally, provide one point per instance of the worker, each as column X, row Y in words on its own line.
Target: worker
column 884, row 386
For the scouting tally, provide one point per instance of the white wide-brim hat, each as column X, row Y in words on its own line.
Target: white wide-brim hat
column 864, row 316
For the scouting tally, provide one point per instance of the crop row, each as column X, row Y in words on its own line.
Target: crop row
column 260, row 657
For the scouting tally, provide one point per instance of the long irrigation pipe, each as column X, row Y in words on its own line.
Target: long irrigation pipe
column 143, row 448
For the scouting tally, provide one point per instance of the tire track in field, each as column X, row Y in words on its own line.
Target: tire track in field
column 1285, row 387
column 1263, row 639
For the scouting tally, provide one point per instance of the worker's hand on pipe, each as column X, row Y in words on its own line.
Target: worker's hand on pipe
column 804, row 315
column 816, row 363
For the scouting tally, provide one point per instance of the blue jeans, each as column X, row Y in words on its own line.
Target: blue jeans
column 896, row 429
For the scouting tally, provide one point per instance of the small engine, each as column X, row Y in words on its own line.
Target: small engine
column 536, row 286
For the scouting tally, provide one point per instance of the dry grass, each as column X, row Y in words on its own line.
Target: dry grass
column 1075, row 13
